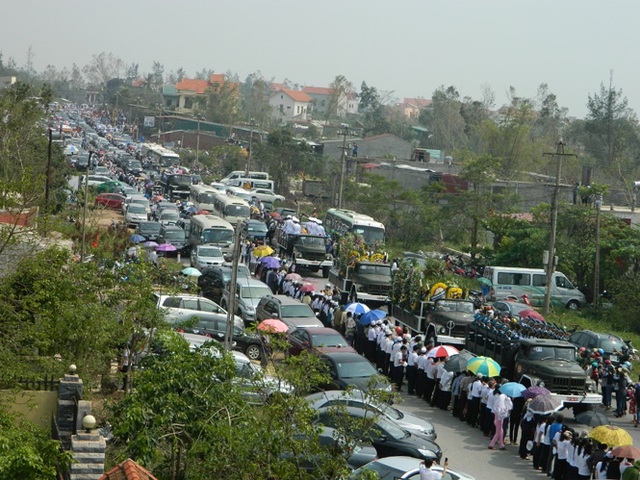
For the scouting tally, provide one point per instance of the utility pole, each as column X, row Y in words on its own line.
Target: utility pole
column 559, row 154
column 251, row 125
column 233, row 285
column 596, row 266
column 195, row 163
column 84, row 209
column 345, row 132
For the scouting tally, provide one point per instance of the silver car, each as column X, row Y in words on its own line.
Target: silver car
column 404, row 467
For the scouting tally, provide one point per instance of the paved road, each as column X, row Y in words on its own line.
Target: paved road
column 467, row 450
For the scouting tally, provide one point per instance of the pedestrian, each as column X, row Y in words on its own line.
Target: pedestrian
column 427, row 474
column 620, row 382
column 554, row 429
column 514, row 419
column 444, row 399
column 502, row 406
column 350, row 328
column 528, row 425
column 636, row 397
column 473, row 400
column 562, row 449
column 455, row 394
column 399, row 363
column 430, row 372
column 412, row 369
column 420, row 378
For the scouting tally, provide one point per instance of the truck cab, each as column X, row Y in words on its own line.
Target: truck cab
column 305, row 251
column 448, row 320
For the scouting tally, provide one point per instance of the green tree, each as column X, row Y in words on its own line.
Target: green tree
column 220, row 103
column 444, row 120
column 340, row 89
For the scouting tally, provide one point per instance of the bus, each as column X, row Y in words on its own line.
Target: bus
column 211, row 230
column 341, row 222
column 203, row 196
column 161, row 157
column 231, row 208
column 250, row 183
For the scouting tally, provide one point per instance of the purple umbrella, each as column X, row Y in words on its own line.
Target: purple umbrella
column 270, row 262
column 165, row 247
column 533, row 392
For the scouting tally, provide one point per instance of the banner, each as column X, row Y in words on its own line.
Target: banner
column 150, row 122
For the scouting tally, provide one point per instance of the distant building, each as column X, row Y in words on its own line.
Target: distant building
column 288, row 105
column 181, row 97
column 411, row 107
column 7, row 82
column 347, row 102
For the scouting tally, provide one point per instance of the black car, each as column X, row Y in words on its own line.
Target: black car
column 387, row 437
column 213, row 280
column 149, row 230
column 174, row 235
column 614, row 347
column 249, row 344
column 349, row 369
column 254, row 231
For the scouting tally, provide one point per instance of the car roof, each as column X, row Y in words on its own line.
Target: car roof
column 320, row 330
column 345, row 357
column 251, row 282
column 171, row 227
column 284, row 300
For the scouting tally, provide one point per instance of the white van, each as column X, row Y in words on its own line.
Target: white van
column 516, row 282
column 242, row 174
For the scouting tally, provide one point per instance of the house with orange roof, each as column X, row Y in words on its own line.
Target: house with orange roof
column 347, row 103
column 181, row 97
column 128, row 470
column 411, row 107
column 288, row 105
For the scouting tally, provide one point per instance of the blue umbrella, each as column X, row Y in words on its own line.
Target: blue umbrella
column 192, row 209
column 270, row 262
column 135, row 238
column 372, row 316
column 356, row 308
column 512, row 389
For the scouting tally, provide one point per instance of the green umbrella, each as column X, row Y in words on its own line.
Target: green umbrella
column 485, row 281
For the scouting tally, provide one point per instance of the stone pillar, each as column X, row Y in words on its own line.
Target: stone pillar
column 69, row 389
column 88, row 448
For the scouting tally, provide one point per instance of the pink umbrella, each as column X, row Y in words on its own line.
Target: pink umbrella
column 273, row 325
column 307, row 288
column 165, row 247
column 292, row 276
column 442, row 351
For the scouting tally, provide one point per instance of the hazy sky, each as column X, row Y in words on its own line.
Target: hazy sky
column 409, row 47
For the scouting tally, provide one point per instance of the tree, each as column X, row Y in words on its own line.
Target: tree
column 102, row 68
column 220, row 103
column 157, row 76
column 340, row 89
column 444, row 119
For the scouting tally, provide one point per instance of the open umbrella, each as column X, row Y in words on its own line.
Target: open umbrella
column 372, row 316
column 533, row 392
column 357, row 308
column 545, row 404
column 293, row 277
column 487, row 366
column 135, row 238
column 531, row 314
column 457, row 363
column 485, row 281
column 157, row 198
column 165, row 247
column 262, row 251
column 611, row 435
column 150, row 244
column 192, row 209
column 442, row 351
column 593, row 418
column 626, row 451
column 512, row 389
column 191, row 272
column 307, row 288
column 270, row 262
column 273, row 325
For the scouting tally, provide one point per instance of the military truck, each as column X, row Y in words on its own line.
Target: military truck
column 304, row 251
column 364, row 281
column 176, row 186
column 536, row 361
column 443, row 321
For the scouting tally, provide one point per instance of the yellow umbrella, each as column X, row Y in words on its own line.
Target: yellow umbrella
column 611, row 435
column 262, row 251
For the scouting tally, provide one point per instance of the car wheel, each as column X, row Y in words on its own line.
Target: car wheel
column 253, row 352
column 573, row 305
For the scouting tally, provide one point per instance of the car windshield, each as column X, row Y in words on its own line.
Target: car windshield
column 551, row 353
column 446, row 306
column 167, row 215
column 371, row 234
column 246, row 370
column 390, row 428
column 174, row 235
column 209, row 252
column 374, row 269
column 612, row 343
column 136, row 208
column 257, row 228
column 236, row 210
column 297, row 311
column 311, row 241
column 150, row 227
column 328, row 340
column 217, row 235
column 359, row 369
column 255, row 291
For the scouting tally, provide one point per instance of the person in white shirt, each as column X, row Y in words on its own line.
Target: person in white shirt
column 583, row 453
column 444, row 399
column 427, row 474
column 562, row 441
column 297, row 229
column 372, row 337
column 420, row 375
column 412, row 369
column 399, row 363
column 430, row 373
column 489, row 418
column 473, row 400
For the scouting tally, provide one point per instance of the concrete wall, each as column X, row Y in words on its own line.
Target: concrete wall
column 36, row 406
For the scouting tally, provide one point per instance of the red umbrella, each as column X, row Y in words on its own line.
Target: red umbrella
column 628, row 451
column 531, row 314
column 274, row 215
column 273, row 325
column 203, row 212
column 307, row 288
column 442, row 351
